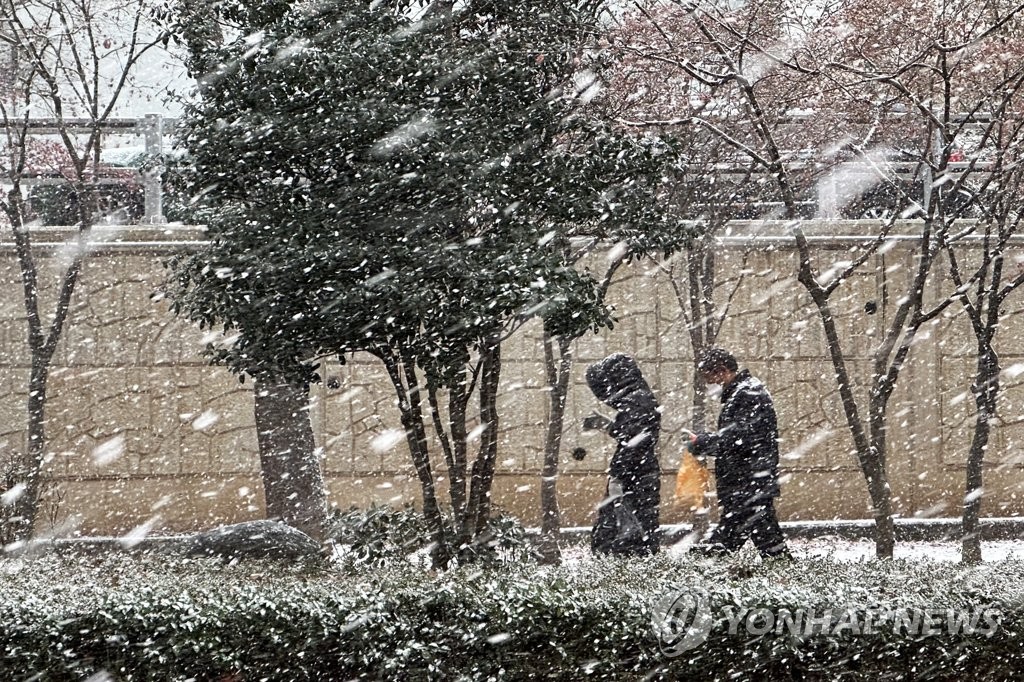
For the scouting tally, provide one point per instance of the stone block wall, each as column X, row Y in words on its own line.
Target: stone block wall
column 143, row 432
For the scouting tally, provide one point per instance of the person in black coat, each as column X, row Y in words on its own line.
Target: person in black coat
column 746, row 452
column 627, row 520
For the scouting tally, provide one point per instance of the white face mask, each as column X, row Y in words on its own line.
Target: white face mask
column 709, row 383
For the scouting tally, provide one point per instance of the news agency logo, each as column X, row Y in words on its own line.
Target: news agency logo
column 682, row 620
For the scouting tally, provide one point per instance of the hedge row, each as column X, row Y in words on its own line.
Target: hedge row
column 151, row 619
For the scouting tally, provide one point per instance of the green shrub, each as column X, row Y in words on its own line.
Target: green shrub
column 381, row 534
column 153, row 619
column 378, row 535
column 121, row 202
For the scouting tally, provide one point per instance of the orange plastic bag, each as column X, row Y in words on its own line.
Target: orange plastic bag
column 691, row 483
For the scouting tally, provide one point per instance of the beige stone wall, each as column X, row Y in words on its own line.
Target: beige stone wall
column 143, row 431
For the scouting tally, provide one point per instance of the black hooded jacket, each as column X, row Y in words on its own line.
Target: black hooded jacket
column 617, row 382
column 746, row 444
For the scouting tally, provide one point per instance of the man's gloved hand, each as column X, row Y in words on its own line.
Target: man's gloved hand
column 691, row 446
column 614, row 488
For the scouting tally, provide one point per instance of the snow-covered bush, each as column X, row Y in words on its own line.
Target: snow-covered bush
column 381, row 534
column 378, row 534
column 154, row 619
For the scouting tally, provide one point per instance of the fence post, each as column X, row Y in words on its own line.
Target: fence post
column 152, row 176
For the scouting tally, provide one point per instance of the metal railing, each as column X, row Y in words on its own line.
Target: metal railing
column 152, row 128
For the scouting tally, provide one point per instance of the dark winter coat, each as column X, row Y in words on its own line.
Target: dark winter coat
column 617, row 382
column 746, row 444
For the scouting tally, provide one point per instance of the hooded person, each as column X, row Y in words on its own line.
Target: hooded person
column 627, row 520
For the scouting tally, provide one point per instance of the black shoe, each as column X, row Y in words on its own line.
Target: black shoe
column 783, row 556
column 709, row 550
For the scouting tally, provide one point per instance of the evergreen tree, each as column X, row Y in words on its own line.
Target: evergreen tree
column 374, row 182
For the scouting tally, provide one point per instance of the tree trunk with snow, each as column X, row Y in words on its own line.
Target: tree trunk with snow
column 25, row 470
column 986, row 392
column 293, row 480
column 478, row 511
column 401, row 369
column 557, row 365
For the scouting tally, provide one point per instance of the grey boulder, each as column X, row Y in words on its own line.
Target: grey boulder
column 262, row 539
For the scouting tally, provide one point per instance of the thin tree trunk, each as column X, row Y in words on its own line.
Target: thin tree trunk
column 42, row 346
column 458, row 398
column 558, row 369
column 293, row 481
column 881, row 503
column 454, row 448
column 868, row 456
column 402, row 371
column 28, row 467
column 483, row 468
column 986, row 390
column 877, row 478
column 700, row 270
column 413, row 423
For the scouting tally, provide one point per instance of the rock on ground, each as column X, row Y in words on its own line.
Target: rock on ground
column 263, row 539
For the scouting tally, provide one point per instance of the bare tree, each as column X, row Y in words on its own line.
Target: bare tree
column 870, row 87
column 983, row 304
column 71, row 60
column 980, row 271
column 927, row 59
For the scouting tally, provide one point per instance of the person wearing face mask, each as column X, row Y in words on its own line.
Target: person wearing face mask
column 746, row 451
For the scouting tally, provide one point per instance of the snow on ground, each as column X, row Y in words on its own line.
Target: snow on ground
column 838, row 549
column 861, row 550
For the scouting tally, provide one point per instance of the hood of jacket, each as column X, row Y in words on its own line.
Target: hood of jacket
column 617, row 382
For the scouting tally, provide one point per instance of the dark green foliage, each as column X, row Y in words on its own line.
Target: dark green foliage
column 378, row 535
column 373, row 183
column 406, row 188
column 58, row 204
column 155, row 620
column 382, row 535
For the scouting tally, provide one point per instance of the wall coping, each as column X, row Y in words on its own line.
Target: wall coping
column 737, row 234
column 105, row 239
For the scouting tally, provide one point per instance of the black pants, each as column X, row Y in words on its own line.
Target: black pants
column 754, row 518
